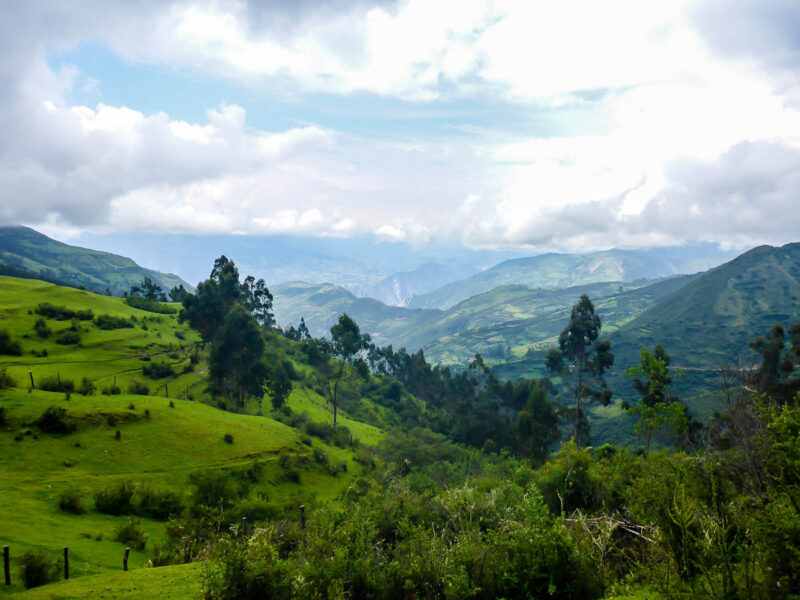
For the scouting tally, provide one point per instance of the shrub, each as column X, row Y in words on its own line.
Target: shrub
column 37, row 568
column 212, row 488
column 9, row 346
column 108, row 322
column 115, row 499
column 71, row 500
column 55, row 419
column 62, row 313
column 68, row 338
column 320, row 457
column 111, row 390
column 156, row 370
column 160, row 504
column 130, row 532
column 138, row 388
column 56, row 384
column 150, row 305
column 7, row 381
column 41, row 329
column 87, row 388
column 228, row 438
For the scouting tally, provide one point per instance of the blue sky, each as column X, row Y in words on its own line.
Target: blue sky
column 489, row 123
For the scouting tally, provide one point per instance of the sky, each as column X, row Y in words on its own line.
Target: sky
column 572, row 125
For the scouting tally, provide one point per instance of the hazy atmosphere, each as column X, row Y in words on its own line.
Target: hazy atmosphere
column 567, row 126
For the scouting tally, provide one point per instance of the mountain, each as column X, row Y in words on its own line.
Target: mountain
column 565, row 270
column 503, row 324
column 712, row 319
column 358, row 263
column 399, row 288
column 27, row 250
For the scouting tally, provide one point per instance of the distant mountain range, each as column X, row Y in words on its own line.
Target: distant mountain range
column 399, row 289
column 566, row 270
column 23, row 249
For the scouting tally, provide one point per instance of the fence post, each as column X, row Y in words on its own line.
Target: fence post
column 302, row 516
column 66, row 563
column 125, row 559
column 6, row 564
column 33, row 387
column 166, row 391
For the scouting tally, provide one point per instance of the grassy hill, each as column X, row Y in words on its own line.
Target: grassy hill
column 502, row 324
column 566, row 270
column 163, row 440
column 26, row 249
column 712, row 319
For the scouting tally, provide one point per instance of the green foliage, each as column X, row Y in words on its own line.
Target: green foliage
column 41, row 329
column 9, row 346
column 71, row 500
column 228, row 438
column 62, row 313
column 54, row 383
column 657, row 409
column 37, row 567
column 138, row 388
column 115, row 499
column 150, row 305
column 110, row 322
column 87, row 387
column 159, row 504
column 56, row 419
column 68, row 337
column 157, row 370
column 130, row 532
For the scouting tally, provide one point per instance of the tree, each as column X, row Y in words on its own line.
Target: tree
column 177, row 293
column 279, row 386
column 657, row 408
column 258, row 300
column 347, row 344
column 581, row 355
column 149, row 290
column 235, row 365
column 774, row 376
column 302, row 330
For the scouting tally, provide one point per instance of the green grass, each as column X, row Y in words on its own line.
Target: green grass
column 180, row 581
column 159, row 446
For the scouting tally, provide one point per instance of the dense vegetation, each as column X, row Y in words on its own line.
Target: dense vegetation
column 415, row 480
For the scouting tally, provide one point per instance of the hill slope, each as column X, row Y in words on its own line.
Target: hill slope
column 398, row 289
column 712, row 319
column 501, row 324
column 566, row 270
column 26, row 249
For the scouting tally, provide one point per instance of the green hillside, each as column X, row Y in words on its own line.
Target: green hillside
column 26, row 249
column 502, row 325
column 156, row 442
column 712, row 319
column 567, row 270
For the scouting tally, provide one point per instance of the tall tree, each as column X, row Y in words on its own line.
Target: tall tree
column 279, row 386
column 346, row 347
column 774, row 376
column 582, row 357
column 257, row 298
column 235, row 365
column 657, row 408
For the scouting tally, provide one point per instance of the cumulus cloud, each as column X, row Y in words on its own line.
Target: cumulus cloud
column 649, row 123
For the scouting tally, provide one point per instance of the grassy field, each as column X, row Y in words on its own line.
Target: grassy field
column 163, row 438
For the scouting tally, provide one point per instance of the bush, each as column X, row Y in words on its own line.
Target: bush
column 7, row 381
column 111, row 390
column 138, row 388
column 160, row 504
column 71, row 500
column 56, row 384
column 68, row 338
column 62, row 313
column 9, row 346
column 212, row 488
column 156, row 370
column 116, row 499
column 55, row 419
column 228, row 438
column 37, row 568
column 130, row 532
column 41, row 329
column 87, row 388
column 150, row 305
column 108, row 322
